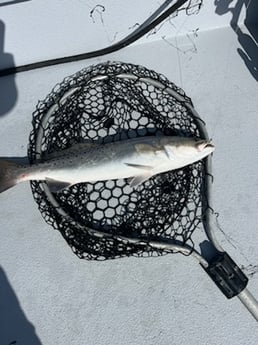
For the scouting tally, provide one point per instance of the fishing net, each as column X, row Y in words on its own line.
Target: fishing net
column 112, row 102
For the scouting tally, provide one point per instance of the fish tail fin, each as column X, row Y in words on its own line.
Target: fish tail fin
column 9, row 174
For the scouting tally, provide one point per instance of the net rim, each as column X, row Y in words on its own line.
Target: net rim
column 180, row 96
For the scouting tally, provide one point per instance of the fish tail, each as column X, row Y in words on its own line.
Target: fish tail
column 9, row 174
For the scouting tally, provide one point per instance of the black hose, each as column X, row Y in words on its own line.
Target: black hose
column 111, row 49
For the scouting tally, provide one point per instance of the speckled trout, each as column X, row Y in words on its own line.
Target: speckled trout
column 137, row 159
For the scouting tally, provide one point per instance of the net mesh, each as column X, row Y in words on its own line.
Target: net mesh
column 106, row 103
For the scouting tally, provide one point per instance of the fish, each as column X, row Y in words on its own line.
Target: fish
column 136, row 159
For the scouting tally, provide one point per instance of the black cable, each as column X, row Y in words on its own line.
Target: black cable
column 108, row 50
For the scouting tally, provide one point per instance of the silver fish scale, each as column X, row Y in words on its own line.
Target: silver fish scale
column 107, row 103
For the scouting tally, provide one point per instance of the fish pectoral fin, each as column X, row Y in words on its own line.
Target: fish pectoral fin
column 169, row 153
column 57, row 186
column 139, row 179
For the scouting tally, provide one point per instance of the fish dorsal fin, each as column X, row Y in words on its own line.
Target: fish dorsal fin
column 75, row 148
column 56, row 186
column 83, row 146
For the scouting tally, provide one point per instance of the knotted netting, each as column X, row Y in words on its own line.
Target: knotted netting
column 105, row 103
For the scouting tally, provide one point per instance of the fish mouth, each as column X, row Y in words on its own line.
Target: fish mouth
column 204, row 145
column 209, row 145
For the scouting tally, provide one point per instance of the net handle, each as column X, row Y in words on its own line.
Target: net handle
column 249, row 301
column 245, row 296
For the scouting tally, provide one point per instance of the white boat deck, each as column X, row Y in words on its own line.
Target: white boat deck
column 47, row 295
